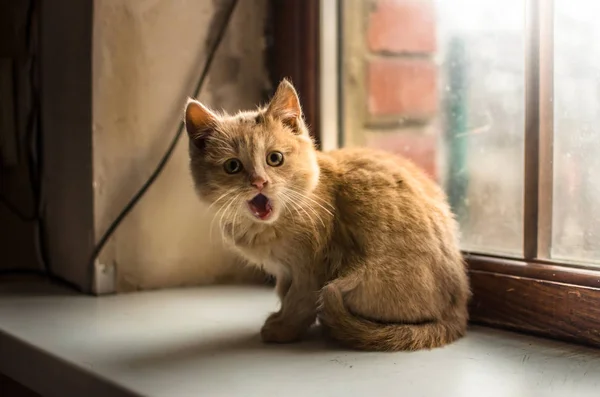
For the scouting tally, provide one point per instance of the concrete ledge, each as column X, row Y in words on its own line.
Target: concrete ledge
column 204, row 341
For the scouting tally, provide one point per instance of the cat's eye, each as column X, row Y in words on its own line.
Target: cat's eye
column 233, row 166
column 275, row 159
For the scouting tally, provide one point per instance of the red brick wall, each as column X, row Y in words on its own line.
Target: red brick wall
column 403, row 87
column 402, row 79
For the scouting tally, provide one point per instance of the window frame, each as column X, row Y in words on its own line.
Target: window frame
column 534, row 294
column 295, row 53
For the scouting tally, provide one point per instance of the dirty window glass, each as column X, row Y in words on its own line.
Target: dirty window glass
column 442, row 83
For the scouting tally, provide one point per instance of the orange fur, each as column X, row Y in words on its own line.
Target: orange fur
column 361, row 239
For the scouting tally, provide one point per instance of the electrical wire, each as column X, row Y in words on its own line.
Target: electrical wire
column 163, row 162
column 32, row 130
column 14, row 209
column 35, row 177
column 34, row 164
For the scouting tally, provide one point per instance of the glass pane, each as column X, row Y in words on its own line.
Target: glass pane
column 576, row 200
column 442, row 82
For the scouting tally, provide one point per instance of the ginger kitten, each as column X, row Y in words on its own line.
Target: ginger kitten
column 361, row 239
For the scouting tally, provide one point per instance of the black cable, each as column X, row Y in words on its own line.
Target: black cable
column 161, row 165
column 32, row 168
column 36, row 178
column 34, row 164
column 13, row 209
column 19, row 271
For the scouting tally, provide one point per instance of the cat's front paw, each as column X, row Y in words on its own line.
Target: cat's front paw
column 276, row 330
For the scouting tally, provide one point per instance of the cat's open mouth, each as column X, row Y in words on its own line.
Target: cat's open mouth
column 260, row 206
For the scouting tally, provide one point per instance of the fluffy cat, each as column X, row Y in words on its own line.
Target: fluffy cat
column 361, row 239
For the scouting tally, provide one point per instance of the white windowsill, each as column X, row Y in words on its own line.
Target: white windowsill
column 204, row 342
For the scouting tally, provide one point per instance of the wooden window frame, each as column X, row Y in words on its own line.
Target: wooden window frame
column 534, row 294
column 295, row 55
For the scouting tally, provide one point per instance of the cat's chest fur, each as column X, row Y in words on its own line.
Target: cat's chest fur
column 267, row 248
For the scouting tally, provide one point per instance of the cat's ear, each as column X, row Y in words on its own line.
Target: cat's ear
column 199, row 122
column 285, row 106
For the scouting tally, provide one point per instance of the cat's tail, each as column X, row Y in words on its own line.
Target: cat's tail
column 363, row 334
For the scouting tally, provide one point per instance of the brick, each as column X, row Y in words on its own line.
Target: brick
column 413, row 144
column 402, row 26
column 403, row 87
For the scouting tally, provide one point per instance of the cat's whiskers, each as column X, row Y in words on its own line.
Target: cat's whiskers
column 296, row 202
column 230, row 202
column 285, row 207
column 316, row 215
column 285, row 203
column 302, row 198
column 219, row 211
column 314, row 197
column 221, row 197
column 211, row 227
column 233, row 222
column 314, row 201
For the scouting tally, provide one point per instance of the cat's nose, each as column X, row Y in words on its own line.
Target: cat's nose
column 259, row 182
